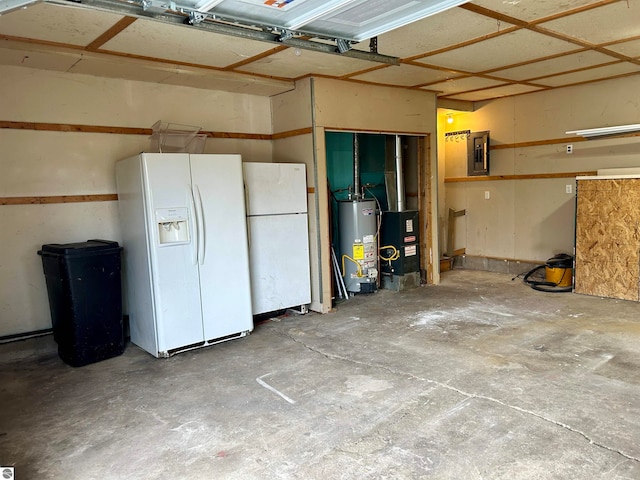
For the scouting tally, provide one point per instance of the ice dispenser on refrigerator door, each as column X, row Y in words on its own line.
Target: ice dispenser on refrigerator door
column 173, row 226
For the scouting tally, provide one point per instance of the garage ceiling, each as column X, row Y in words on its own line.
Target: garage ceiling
column 476, row 51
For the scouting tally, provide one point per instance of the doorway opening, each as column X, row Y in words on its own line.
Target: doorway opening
column 378, row 211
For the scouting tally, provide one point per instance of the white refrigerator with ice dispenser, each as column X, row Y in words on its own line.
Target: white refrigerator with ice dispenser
column 276, row 202
column 185, row 251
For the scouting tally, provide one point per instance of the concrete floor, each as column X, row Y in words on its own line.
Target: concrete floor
column 478, row 378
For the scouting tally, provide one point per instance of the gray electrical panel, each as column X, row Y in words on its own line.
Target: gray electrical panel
column 478, row 153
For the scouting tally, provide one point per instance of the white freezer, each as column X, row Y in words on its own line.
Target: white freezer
column 185, row 250
column 279, row 253
column 275, row 188
column 278, row 236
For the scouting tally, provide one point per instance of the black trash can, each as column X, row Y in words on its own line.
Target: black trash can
column 85, row 298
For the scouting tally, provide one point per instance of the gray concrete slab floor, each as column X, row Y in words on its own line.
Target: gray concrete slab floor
column 478, row 378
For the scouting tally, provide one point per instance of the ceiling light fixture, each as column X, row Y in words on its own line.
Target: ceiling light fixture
column 449, row 118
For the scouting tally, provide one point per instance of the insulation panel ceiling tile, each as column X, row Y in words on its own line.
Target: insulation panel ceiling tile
column 406, row 75
column 630, row 49
column 51, row 23
column 588, row 75
column 552, row 66
column 497, row 92
column 435, row 32
column 43, row 60
column 295, row 63
column 507, row 49
column 463, row 85
column 532, row 10
column 610, row 22
column 213, row 81
column 184, row 44
column 127, row 70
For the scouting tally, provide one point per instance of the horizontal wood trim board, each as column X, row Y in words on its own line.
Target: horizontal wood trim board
column 375, row 132
column 241, row 136
column 292, row 133
column 556, row 141
column 532, row 176
column 538, row 143
column 107, row 197
column 64, row 127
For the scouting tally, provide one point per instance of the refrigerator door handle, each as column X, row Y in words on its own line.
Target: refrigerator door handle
column 246, row 198
column 247, row 210
column 194, row 216
column 201, row 233
column 248, row 232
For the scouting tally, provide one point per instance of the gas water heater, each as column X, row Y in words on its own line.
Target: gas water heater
column 359, row 244
column 358, row 222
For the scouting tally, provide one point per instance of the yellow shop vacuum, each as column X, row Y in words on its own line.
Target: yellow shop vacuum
column 558, row 275
column 559, row 270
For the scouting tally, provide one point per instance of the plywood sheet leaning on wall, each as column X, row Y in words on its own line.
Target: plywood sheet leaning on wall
column 608, row 238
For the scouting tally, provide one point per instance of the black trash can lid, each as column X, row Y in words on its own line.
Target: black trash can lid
column 80, row 248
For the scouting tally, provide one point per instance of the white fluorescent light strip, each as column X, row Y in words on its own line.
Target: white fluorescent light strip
column 316, row 13
column 600, row 132
column 205, row 7
column 419, row 15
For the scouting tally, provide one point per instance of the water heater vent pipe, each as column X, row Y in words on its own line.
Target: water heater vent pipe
column 399, row 174
column 356, row 167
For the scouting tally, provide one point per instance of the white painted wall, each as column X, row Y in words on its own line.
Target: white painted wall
column 40, row 163
column 534, row 219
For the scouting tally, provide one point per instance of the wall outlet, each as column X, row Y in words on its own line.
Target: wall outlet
column 568, row 188
column 569, row 149
column 487, row 195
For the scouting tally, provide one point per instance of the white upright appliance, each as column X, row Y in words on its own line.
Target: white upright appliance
column 185, row 250
column 278, row 236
